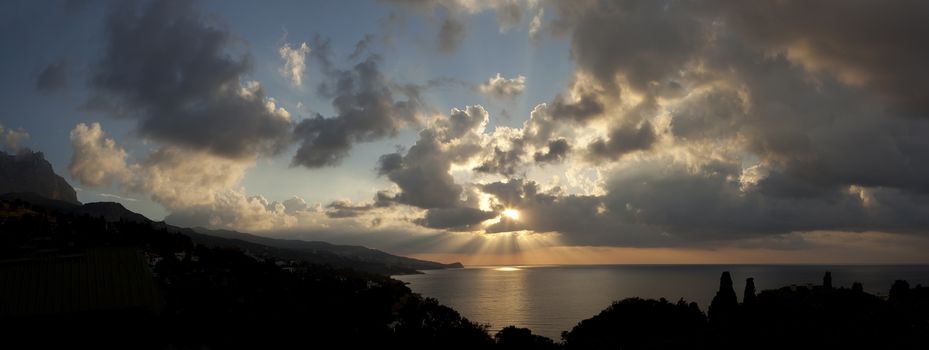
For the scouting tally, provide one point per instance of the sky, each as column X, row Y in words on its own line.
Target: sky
column 492, row 132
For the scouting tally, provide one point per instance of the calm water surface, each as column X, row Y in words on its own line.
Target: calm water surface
column 552, row 299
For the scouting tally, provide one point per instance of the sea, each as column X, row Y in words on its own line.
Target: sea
column 550, row 299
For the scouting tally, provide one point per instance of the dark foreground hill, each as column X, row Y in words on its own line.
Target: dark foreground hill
column 73, row 279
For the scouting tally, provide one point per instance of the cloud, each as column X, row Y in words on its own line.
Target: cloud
column 451, row 35
column 179, row 179
column 456, row 219
column 346, row 209
column 453, row 30
column 542, row 138
column 178, row 75
column 233, row 209
column 53, row 78
column 462, row 122
column 175, row 178
column 110, row 195
column 685, row 124
column 557, row 151
column 745, row 139
column 696, row 128
column 363, row 99
column 294, row 205
column 503, row 88
column 362, row 46
column 586, row 107
column 423, row 174
column 862, row 43
column 97, row 160
column 535, row 25
column 11, row 139
column 623, row 140
column 643, row 43
column 504, row 162
column 196, row 187
column 294, row 62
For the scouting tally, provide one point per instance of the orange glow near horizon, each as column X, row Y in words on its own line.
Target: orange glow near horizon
column 825, row 247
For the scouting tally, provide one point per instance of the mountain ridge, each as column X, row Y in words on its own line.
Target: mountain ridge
column 361, row 252
column 28, row 171
column 29, row 178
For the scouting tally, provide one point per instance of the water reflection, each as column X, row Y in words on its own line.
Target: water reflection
column 551, row 299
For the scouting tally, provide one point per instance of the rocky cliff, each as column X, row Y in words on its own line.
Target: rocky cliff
column 28, row 171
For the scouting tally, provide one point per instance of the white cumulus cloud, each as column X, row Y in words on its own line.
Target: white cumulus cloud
column 501, row 87
column 294, row 62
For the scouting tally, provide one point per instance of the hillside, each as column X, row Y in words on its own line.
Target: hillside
column 286, row 251
column 146, row 285
column 29, row 178
column 326, row 251
column 28, row 171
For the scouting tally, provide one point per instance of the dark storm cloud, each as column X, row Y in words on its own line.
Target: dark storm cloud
column 706, row 205
column 174, row 71
column 717, row 114
column 557, row 151
column 389, row 162
column 874, row 44
column 502, row 162
column 586, row 108
column 455, row 219
column 364, row 100
column 423, row 174
column 645, row 42
column 53, row 78
column 345, row 209
column 824, row 134
column 622, row 140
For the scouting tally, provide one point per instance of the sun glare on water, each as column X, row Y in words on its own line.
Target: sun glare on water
column 508, row 269
column 513, row 214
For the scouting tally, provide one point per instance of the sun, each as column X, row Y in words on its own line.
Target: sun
column 513, row 214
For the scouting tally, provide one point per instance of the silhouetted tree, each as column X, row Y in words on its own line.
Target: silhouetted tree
column 827, row 280
column 514, row 338
column 898, row 292
column 748, row 297
column 641, row 324
column 725, row 305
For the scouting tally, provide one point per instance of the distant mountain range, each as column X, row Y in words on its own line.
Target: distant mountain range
column 29, row 178
column 318, row 251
